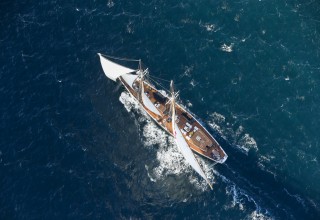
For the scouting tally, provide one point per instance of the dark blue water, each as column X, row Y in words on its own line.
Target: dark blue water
column 75, row 146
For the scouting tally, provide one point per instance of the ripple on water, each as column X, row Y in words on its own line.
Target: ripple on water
column 241, row 199
column 237, row 137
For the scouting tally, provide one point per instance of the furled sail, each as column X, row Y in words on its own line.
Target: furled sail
column 113, row 70
column 147, row 102
column 182, row 144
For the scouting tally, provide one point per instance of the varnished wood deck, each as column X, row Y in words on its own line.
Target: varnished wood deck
column 197, row 137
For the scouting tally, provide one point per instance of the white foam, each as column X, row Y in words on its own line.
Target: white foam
column 171, row 161
column 128, row 101
column 150, row 177
column 264, row 162
column 209, row 27
column 155, row 135
column 227, row 48
column 240, row 198
column 193, row 83
column 110, row 3
column 129, row 28
column 218, row 117
column 188, row 70
column 246, row 143
column 255, row 215
column 189, row 104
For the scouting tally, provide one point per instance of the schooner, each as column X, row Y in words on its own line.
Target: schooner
column 190, row 136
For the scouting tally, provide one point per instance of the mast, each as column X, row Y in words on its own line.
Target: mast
column 141, row 88
column 172, row 106
column 180, row 140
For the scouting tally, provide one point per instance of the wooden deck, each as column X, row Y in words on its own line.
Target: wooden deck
column 197, row 137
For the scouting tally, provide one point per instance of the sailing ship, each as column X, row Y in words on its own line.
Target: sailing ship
column 189, row 134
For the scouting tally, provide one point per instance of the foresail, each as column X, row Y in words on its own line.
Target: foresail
column 113, row 70
column 187, row 152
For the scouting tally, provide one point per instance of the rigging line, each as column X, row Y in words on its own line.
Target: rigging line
column 154, row 81
column 160, row 79
column 167, row 90
column 159, row 84
column 118, row 58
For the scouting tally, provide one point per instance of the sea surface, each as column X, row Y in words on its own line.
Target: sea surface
column 74, row 145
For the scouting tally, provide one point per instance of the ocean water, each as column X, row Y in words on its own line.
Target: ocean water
column 74, row 145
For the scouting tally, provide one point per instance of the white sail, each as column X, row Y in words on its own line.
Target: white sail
column 148, row 104
column 129, row 78
column 113, row 70
column 182, row 144
column 187, row 153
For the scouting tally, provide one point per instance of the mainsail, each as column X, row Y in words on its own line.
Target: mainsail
column 113, row 70
column 182, row 144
